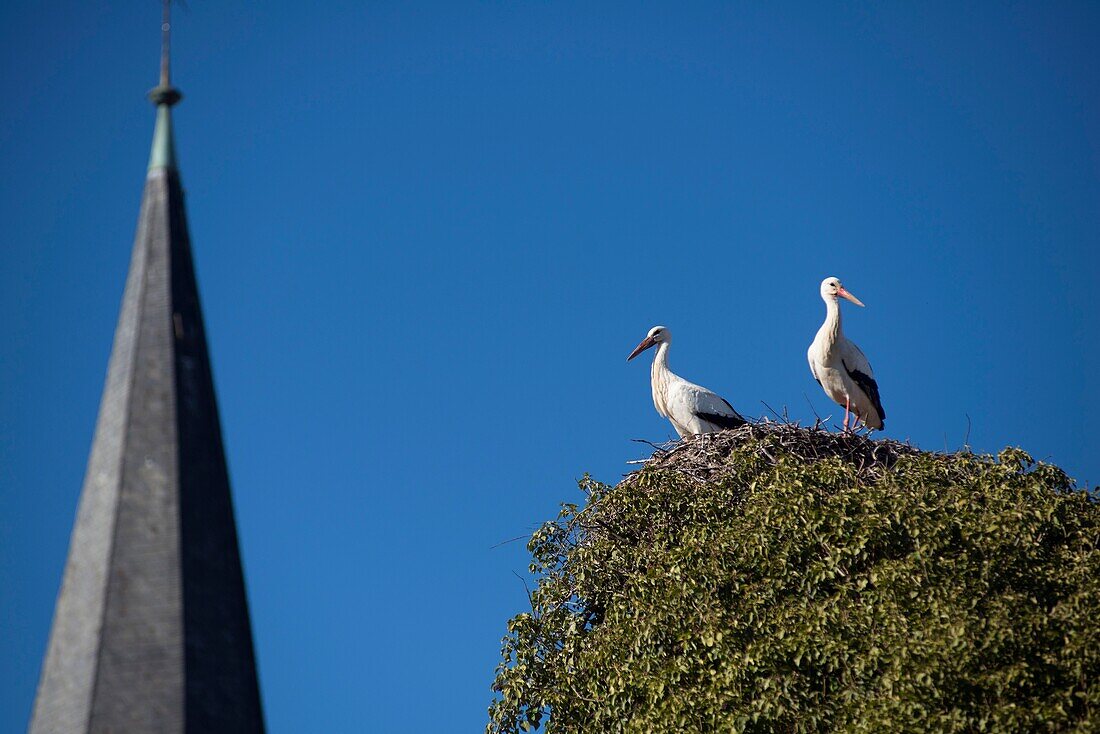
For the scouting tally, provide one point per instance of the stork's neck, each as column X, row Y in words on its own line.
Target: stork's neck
column 660, row 362
column 831, row 328
column 659, row 374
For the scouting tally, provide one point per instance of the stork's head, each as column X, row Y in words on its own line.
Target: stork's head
column 831, row 289
column 656, row 335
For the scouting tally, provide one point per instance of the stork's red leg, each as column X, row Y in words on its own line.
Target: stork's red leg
column 847, row 406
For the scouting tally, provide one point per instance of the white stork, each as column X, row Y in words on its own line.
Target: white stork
column 840, row 367
column 691, row 409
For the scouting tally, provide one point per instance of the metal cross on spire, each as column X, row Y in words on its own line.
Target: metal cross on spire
column 164, row 93
column 165, row 42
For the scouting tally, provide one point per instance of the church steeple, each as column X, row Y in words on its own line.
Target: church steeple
column 151, row 632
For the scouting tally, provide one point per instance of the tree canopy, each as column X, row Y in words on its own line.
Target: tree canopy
column 783, row 579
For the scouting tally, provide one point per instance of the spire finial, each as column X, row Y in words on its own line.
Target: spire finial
column 164, row 93
column 165, row 41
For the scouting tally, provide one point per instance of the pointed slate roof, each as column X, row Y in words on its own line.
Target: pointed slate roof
column 151, row 631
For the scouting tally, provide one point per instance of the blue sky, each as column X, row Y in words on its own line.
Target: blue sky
column 428, row 235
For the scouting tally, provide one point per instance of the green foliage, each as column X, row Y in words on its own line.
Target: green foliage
column 790, row 594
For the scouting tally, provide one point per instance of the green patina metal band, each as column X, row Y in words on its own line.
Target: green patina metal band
column 163, row 154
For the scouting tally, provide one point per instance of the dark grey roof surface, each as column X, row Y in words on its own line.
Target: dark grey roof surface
column 151, row 631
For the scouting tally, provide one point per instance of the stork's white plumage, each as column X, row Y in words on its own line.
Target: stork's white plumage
column 839, row 366
column 691, row 409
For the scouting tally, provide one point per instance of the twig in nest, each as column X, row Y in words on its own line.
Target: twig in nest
column 772, row 410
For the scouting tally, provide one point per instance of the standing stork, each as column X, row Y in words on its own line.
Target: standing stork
column 840, row 367
column 691, row 409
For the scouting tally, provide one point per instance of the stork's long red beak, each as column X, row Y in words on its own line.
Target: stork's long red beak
column 646, row 344
column 845, row 294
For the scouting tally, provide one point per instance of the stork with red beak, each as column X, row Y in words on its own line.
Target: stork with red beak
column 839, row 366
column 691, row 409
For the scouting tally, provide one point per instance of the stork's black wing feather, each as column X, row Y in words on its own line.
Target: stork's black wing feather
column 733, row 420
column 869, row 387
column 725, row 421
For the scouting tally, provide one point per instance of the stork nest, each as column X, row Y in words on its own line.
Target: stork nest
column 701, row 458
